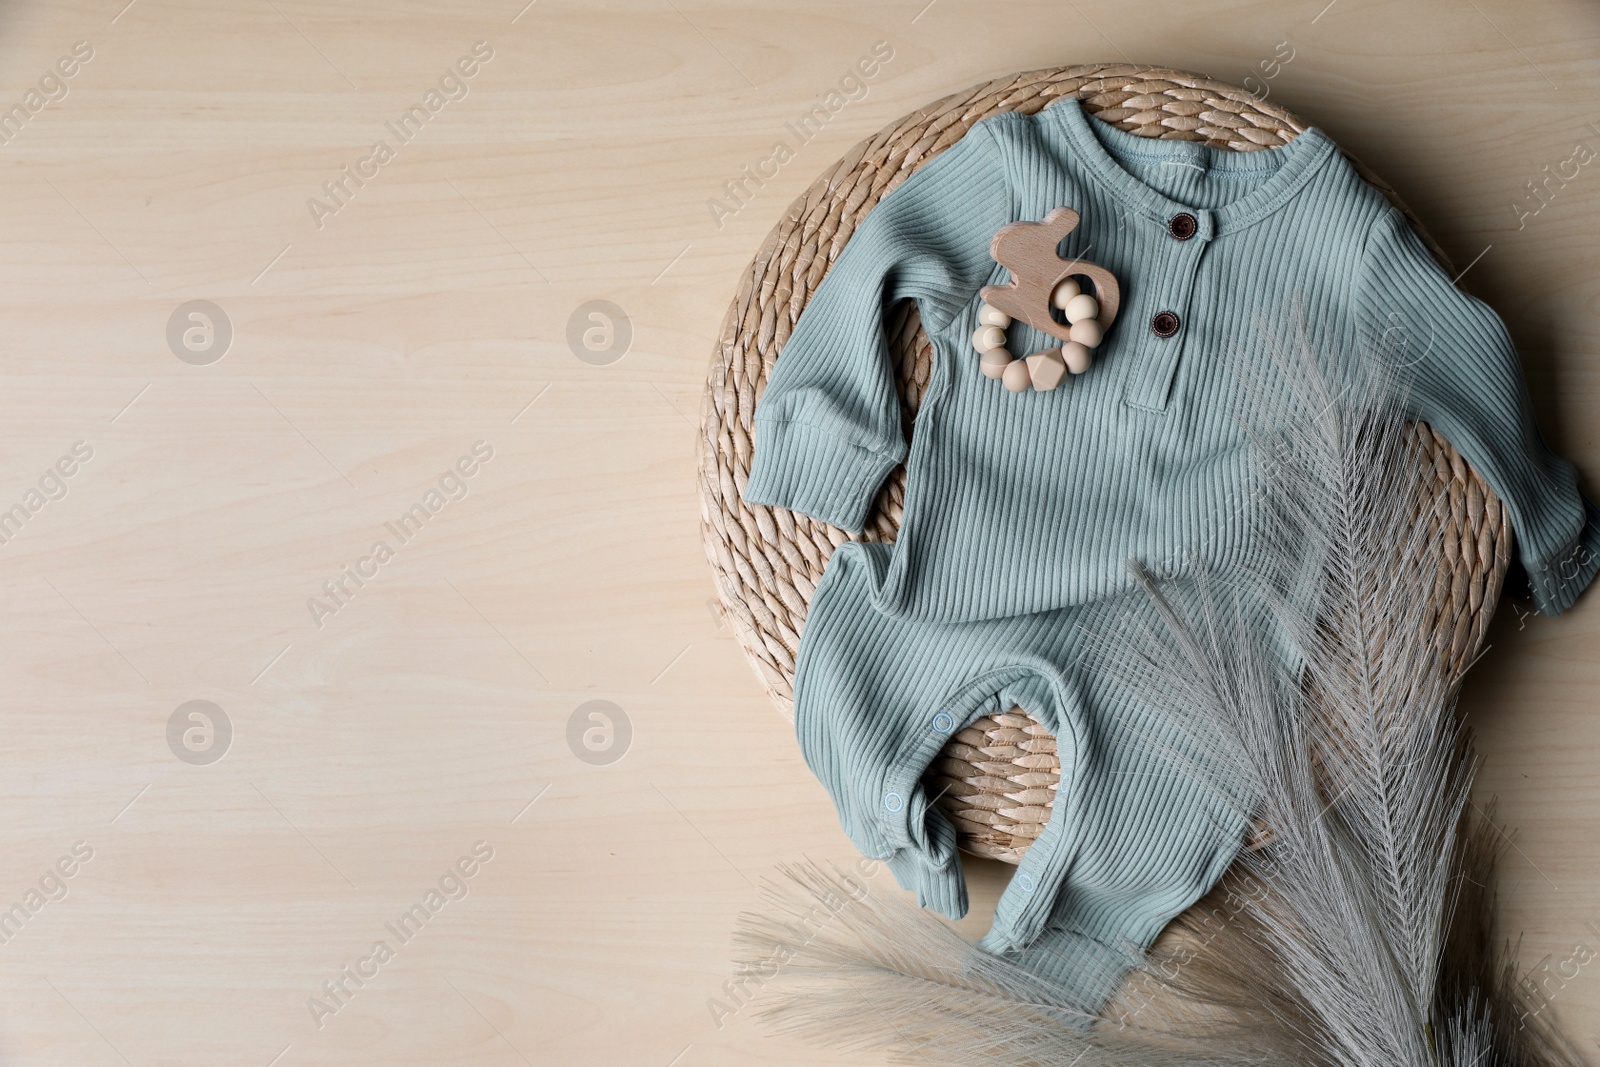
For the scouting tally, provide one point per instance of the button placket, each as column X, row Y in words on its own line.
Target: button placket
column 1166, row 298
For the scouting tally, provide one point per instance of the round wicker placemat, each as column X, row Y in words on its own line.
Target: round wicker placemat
column 996, row 779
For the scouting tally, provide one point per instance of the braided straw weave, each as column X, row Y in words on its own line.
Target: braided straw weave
column 997, row 778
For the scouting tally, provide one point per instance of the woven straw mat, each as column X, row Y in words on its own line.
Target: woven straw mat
column 997, row 778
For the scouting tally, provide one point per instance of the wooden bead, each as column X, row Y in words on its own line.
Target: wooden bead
column 1016, row 377
column 1077, row 356
column 994, row 363
column 993, row 317
column 987, row 337
column 1065, row 290
column 1081, row 307
column 1046, row 369
column 1086, row 332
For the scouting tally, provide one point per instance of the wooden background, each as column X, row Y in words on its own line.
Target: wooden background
column 376, row 340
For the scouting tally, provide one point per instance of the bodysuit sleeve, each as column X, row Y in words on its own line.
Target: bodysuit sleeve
column 1463, row 378
column 827, row 427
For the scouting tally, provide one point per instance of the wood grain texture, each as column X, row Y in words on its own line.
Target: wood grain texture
column 602, row 153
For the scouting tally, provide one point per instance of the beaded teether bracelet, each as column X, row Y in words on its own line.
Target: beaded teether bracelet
column 1042, row 370
column 1042, row 280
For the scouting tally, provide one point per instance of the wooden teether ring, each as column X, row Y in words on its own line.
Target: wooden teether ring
column 1028, row 251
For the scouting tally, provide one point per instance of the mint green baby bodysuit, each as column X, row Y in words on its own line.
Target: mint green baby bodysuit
column 1031, row 501
column 1021, row 509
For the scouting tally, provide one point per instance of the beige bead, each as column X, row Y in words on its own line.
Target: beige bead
column 987, row 337
column 1077, row 356
column 1086, row 332
column 991, row 316
column 994, row 363
column 1064, row 291
column 1016, row 377
column 1046, row 369
column 1081, row 307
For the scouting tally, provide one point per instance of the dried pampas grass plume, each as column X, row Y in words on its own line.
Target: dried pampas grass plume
column 853, row 968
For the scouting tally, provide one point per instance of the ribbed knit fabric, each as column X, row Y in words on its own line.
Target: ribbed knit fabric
column 1028, row 502
column 1139, row 828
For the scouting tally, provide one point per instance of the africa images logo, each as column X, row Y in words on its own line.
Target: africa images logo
column 453, row 884
column 341, row 589
column 452, row 85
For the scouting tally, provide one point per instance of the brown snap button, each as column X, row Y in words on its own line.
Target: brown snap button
column 1165, row 323
column 1182, row 226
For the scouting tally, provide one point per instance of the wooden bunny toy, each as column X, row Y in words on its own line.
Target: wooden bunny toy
column 1040, row 280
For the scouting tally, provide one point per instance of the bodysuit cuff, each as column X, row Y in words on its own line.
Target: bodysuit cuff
column 816, row 472
column 1083, row 970
column 1557, row 581
column 941, row 888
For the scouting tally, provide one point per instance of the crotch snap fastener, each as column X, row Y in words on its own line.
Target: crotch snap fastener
column 1026, row 882
column 893, row 801
column 943, row 723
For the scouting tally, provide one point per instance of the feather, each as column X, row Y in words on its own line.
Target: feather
column 875, row 972
column 1374, row 906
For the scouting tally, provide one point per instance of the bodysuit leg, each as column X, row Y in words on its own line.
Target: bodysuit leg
column 1137, row 831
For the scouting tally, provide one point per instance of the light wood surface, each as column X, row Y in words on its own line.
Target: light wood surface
column 376, row 339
